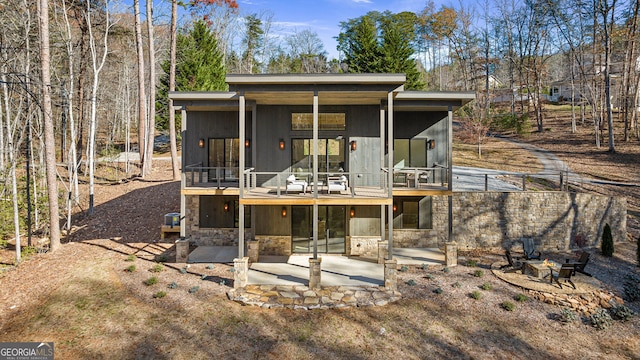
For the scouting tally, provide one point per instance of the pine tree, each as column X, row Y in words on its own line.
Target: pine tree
column 199, row 67
column 607, row 241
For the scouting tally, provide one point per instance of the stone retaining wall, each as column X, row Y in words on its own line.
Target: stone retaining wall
column 208, row 236
column 274, row 245
column 365, row 246
column 585, row 304
column 553, row 219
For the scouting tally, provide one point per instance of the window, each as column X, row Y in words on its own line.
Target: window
column 410, row 153
column 326, row 121
column 222, row 212
column 413, row 213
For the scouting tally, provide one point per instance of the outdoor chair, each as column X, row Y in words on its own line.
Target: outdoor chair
column 565, row 273
column 581, row 263
column 295, row 185
column 336, row 183
column 530, row 252
column 513, row 265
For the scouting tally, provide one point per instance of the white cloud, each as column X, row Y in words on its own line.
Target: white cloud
column 362, row 1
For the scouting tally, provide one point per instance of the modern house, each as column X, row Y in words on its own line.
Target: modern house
column 317, row 163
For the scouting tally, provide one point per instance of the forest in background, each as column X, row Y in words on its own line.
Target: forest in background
column 108, row 66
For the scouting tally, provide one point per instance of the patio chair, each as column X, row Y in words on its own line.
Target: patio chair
column 581, row 263
column 295, row 185
column 336, row 183
column 565, row 273
column 514, row 265
column 530, row 252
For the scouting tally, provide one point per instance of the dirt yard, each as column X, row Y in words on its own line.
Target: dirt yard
column 84, row 300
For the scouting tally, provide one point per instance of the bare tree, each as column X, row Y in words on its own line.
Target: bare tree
column 172, row 87
column 142, row 110
column 152, row 92
column 52, row 184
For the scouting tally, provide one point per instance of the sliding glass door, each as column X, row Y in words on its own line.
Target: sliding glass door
column 330, row 155
column 224, row 155
column 331, row 229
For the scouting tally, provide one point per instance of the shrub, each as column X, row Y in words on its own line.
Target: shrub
column 151, row 281
column 3, row 244
column 472, row 263
column 131, row 257
column 204, row 277
column 446, row 270
column 600, row 319
column 621, row 312
column 223, row 282
column 210, row 267
column 486, row 286
column 159, row 294
column 508, row 305
column 521, row 298
column 426, row 267
column 631, row 288
column 607, row 241
column 478, row 273
column 456, row 284
column 173, row 285
column 512, row 122
column 411, row 282
column 194, row 289
column 404, row 268
column 567, row 315
column 131, row 268
column 161, row 258
column 428, row 276
column 476, row 295
column 183, row 270
column 438, row 290
column 157, row 268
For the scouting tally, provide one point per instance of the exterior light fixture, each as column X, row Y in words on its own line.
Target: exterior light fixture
column 395, row 207
column 201, row 143
column 352, row 212
column 247, row 143
column 431, row 144
column 284, row 212
column 353, row 145
column 226, row 207
column 281, row 145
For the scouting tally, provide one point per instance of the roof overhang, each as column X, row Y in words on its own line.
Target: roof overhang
column 431, row 101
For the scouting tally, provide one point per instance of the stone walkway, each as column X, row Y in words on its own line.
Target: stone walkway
column 300, row 297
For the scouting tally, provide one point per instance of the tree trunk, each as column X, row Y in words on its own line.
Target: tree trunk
column 152, row 92
column 50, row 157
column 172, row 86
column 142, row 111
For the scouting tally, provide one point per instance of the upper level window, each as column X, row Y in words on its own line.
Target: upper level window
column 326, row 121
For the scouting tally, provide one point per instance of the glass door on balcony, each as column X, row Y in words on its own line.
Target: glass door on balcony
column 330, row 155
column 224, row 159
column 331, row 229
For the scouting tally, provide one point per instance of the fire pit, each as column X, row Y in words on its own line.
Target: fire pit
column 540, row 269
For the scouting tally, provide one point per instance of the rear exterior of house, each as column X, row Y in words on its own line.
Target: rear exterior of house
column 317, row 164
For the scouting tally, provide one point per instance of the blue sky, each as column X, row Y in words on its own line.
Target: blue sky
column 324, row 16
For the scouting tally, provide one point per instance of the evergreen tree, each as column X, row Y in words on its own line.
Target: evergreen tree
column 381, row 43
column 607, row 241
column 199, row 67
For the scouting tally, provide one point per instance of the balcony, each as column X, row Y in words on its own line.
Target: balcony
column 274, row 185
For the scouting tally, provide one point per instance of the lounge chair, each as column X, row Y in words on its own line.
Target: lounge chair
column 564, row 273
column 581, row 263
column 336, row 183
column 296, row 185
column 514, row 265
column 530, row 252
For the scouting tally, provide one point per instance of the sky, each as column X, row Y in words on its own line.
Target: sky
column 324, row 16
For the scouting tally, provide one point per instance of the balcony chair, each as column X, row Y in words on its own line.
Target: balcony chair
column 581, row 263
column 512, row 265
column 294, row 184
column 336, row 183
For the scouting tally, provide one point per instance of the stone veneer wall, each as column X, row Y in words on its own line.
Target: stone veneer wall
column 208, row 236
column 552, row 219
column 274, row 245
column 415, row 238
column 365, row 246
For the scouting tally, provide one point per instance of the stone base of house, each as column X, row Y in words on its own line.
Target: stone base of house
column 303, row 298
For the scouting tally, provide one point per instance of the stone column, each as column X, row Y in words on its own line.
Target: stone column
column 391, row 274
column 182, row 250
column 383, row 251
column 241, row 273
column 451, row 254
column 315, row 271
column 253, row 250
